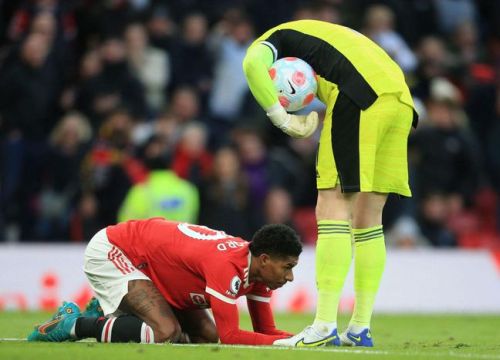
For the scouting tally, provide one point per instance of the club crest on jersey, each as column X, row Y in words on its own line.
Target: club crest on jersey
column 235, row 285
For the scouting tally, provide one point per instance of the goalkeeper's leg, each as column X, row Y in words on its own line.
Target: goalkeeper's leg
column 369, row 259
column 333, row 253
column 333, row 259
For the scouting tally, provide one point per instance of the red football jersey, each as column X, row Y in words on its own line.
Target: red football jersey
column 196, row 267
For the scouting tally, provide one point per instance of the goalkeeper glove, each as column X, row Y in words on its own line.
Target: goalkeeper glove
column 297, row 126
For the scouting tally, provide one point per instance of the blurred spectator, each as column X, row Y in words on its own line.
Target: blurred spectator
column 405, row 234
column 28, row 90
column 89, row 67
column 304, row 152
column 444, row 153
column 433, row 61
column 225, row 200
column 229, row 44
column 27, row 104
column 379, row 26
column 192, row 160
column 255, row 165
column 165, row 125
column 278, row 207
column 432, row 220
column 58, row 19
column 110, row 168
column 184, row 105
column 465, row 43
column 192, row 63
column 162, row 29
column 84, row 222
column 451, row 13
column 58, row 56
column 163, row 193
column 113, row 87
column 325, row 11
column 61, row 178
column 151, row 66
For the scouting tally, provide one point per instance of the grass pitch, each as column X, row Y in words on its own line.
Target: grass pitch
column 396, row 337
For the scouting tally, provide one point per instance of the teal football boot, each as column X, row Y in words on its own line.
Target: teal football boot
column 58, row 328
column 93, row 309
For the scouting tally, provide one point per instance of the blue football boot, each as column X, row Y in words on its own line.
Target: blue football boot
column 58, row 328
column 93, row 309
column 364, row 338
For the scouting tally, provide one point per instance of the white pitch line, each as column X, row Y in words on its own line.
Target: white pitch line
column 319, row 349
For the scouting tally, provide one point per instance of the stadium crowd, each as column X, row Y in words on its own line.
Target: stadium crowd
column 134, row 108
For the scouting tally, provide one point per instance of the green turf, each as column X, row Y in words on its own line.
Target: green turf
column 396, row 337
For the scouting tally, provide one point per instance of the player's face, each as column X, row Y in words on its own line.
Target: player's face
column 276, row 272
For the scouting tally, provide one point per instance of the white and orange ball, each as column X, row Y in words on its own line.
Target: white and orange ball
column 295, row 82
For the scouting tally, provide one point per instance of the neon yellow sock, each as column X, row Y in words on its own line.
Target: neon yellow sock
column 369, row 263
column 333, row 259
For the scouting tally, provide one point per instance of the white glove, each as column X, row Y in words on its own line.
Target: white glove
column 297, row 126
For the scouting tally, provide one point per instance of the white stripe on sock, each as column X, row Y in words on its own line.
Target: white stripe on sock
column 147, row 335
column 107, row 330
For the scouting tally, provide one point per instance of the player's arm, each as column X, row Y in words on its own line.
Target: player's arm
column 256, row 64
column 227, row 321
column 262, row 316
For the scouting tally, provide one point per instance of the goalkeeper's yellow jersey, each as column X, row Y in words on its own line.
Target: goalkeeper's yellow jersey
column 340, row 56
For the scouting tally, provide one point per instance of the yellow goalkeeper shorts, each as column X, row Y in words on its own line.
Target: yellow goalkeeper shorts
column 365, row 151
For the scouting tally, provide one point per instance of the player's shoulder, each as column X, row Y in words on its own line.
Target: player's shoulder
column 227, row 269
column 228, row 256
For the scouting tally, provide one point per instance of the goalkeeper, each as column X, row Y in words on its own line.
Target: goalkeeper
column 362, row 157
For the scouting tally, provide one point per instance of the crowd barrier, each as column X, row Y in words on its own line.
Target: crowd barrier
column 415, row 281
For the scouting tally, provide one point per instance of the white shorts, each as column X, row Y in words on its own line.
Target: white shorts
column 108, row 271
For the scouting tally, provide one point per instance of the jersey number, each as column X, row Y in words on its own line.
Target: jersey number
column 200, row 232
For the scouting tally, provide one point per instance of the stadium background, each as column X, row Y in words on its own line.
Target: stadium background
column 89, row 89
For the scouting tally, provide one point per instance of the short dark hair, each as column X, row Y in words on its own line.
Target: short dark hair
column 276, row 240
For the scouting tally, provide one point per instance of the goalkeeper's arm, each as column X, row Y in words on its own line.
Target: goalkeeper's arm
column 258, row 60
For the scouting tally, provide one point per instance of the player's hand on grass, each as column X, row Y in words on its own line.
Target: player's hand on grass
column 297, row 126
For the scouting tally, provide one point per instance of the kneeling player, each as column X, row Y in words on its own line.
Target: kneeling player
column 154, row 280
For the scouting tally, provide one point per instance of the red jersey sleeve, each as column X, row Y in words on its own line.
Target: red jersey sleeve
column 259, row 307
column 227, row 322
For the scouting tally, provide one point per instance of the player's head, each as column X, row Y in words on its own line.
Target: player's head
column 275, row 251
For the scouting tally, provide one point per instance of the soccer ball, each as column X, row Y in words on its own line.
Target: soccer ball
column 295, row 81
